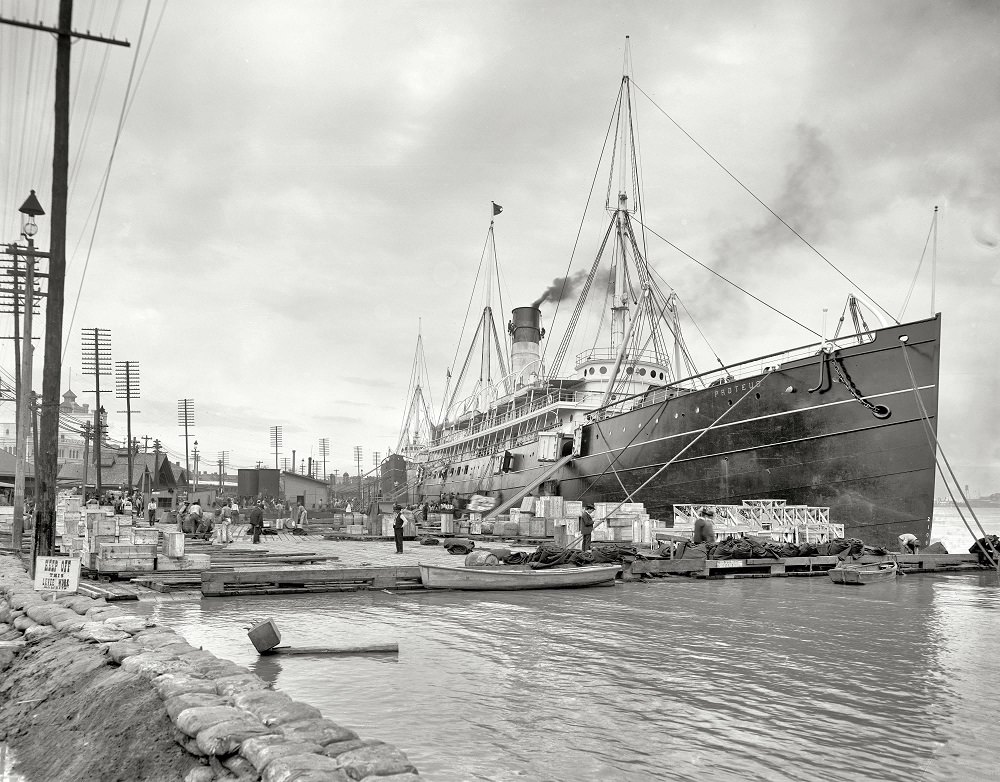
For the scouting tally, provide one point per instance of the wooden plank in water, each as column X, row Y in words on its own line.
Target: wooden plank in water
column 370, row 649
column 220, row 583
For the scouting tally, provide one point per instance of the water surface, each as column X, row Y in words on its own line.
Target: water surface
column 765, row 679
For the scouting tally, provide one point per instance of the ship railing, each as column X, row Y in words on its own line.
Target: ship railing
column 561, row 397
column 731, row 373
column 606, row 354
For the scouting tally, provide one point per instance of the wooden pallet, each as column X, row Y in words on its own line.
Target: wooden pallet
column 243, row 581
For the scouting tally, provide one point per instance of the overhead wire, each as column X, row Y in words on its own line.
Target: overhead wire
column 107, row 172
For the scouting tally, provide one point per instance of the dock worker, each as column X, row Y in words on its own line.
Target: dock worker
column 301, row 517
column 909, row 543
column 587, row 526
column 397, row 527
column 704, row 527
column 151, row 512
column 256, row 519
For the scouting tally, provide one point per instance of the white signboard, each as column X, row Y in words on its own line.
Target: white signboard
column 57, row 574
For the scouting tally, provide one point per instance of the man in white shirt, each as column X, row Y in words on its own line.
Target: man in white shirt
column 151, row 512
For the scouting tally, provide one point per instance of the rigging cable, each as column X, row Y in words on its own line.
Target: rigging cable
column 583, row 218
column 759, row 201
column 923, row 253
column 935, row 446
column 727, row 280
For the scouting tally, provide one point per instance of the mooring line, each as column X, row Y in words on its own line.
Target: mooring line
column 935, row 445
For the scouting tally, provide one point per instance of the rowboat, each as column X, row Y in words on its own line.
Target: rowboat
column 858, row 573
column 499, row 578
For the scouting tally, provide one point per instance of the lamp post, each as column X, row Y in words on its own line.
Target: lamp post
column 30, row 209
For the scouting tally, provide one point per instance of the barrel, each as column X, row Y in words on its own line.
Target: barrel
column 481, row 559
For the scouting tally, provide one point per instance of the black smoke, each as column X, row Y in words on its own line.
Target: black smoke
column 561, row 288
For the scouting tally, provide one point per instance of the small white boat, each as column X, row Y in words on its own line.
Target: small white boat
column 870, row 573
column 501, row 578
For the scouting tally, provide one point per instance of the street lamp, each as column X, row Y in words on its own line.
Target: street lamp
column 30, row 209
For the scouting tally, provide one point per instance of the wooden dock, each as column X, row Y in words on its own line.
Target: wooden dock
column 292, row 580
column 790, row 566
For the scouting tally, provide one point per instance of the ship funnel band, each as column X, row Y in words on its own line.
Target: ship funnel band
column 526, row 325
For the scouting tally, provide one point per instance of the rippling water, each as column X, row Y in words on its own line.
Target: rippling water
column 770, row 679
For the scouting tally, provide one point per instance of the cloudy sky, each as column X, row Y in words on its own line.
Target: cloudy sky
column 298, row 188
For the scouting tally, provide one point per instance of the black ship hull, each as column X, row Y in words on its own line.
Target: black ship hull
column 774, row 435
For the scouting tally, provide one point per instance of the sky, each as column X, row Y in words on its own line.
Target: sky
column 298, row 189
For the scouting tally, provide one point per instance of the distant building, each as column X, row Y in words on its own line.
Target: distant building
column 70, row 445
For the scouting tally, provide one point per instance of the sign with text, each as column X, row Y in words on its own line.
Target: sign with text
column 57, row 574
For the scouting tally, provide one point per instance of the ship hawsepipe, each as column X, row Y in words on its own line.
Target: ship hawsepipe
column 781, row 440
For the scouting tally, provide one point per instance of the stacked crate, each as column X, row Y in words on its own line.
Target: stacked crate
column 621, row 522
column 6, row 519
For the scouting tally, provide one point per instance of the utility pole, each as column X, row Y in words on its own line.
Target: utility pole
column 185, row 418
column 196, row 465
column 276, row 443
column 223, row 461
column 220, row 476
column 324, row 451
column 127, row 388
column 87, row 430
column 357, row 458
column 30, row 209
column 96, row 362
column 156, row 464
column 52, row 371
column 35, row 399
column 145, row 444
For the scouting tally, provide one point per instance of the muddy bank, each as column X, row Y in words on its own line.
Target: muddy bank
column 91, row 692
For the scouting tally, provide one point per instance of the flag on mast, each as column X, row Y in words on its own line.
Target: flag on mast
column 497, row 209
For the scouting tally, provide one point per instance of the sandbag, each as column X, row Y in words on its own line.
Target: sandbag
column 119, row 650
column 70, row 625
column 169, row 685
column 381, row 760
column 149, row 665
column 195, row 719
column 129, row 623
column 304, row 768
column 224, row 738
column 39, row 632
column 338, row 748
column 42, row 613
column 282, row 714
column 98, row 632
column 190, row 700
column 317, row 731
column 240, row 682
column 252, row 699
column 261, row 750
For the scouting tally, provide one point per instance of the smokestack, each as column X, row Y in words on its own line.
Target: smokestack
column 526, row 332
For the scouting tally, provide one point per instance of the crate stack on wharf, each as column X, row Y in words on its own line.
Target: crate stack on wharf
column 764, row 522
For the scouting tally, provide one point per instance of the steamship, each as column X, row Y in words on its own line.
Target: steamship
column 846, row 422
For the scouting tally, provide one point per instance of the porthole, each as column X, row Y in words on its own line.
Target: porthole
column 604, row 370
column 591, row 370
column 757, row 395
column 628, row 370
column 676, row 414
column 730, row 402
column 697, row 409
column 642, row 371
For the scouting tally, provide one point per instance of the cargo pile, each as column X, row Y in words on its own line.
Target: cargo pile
column 771, row 519
column 112, row 543
column 623, row 522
